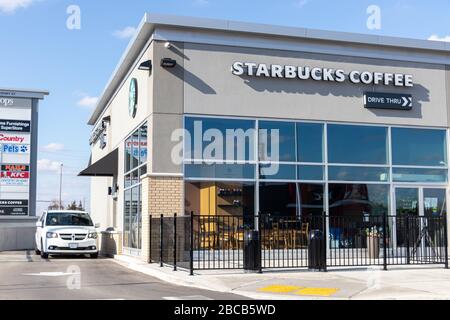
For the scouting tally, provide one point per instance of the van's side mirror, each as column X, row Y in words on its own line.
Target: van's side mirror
column 97, row 225
column 39, row 224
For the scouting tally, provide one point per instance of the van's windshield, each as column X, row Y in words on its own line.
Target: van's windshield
column 68, row 219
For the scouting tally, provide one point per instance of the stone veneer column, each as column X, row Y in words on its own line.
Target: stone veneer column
column 161, row 194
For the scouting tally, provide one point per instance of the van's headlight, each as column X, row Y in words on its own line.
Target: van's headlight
column 92, row 235
column 52, row 235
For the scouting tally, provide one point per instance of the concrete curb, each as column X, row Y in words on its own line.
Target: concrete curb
column 205, row 282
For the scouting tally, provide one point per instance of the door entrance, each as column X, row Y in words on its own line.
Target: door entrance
column 419, row 229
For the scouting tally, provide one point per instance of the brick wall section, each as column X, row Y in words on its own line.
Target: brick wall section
column 160, row 195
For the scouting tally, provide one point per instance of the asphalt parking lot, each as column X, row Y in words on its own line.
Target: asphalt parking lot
column 25, row 276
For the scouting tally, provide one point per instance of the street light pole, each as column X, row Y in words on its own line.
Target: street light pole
column 60, row 186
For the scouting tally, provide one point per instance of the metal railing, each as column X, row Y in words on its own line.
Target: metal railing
column 198, row 242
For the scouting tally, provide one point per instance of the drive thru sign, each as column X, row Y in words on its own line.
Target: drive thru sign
column 379, row 100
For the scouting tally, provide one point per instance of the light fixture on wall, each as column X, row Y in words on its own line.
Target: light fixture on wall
column 168, row 63
column 146, row 66
column 168, row 45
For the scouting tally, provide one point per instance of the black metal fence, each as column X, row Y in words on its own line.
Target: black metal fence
column 224, row 242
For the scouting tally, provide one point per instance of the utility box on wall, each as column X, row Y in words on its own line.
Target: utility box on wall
column 18, row 167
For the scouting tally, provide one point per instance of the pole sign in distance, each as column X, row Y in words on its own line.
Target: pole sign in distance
column 13, row 207
column 393, row 101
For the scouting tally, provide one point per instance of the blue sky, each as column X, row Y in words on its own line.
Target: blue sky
column 38, row 51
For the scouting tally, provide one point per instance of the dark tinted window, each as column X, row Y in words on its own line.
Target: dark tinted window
column 68, row 219
column 419, row 147
column 357, row 144
column 310, row 142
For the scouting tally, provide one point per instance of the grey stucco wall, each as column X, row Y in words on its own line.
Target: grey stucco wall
column 168, row 102
column 210, row 88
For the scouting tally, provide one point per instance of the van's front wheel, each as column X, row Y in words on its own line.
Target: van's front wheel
column 43, row 254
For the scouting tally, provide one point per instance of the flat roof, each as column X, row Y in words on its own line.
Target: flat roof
column 151, row 21
column 23, row 93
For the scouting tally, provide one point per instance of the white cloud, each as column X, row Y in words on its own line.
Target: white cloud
column 300, row 3
column 46, row 165
column 126, row 33
column 10, row 6
column 435, row 37
column 53, row 147
column 88, row 101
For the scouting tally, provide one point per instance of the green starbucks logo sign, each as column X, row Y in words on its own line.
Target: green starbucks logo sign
column 133, row 98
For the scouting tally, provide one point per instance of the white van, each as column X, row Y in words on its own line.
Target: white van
column 66, row 233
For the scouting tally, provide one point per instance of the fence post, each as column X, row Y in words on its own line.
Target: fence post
column 191, row 253
column 408, row 249
column 260, row 243
column 385, row 231
column 446, row 241
column 150, row 241
column 175, row 242
column 325, row 242
column 161, row 234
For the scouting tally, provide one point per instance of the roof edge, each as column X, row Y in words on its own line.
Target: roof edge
column 23, row 93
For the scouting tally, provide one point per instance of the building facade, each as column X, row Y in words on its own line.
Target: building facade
column 228, row 118
column 18, row 159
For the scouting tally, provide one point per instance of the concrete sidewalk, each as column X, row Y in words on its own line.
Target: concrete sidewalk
column 399, row 283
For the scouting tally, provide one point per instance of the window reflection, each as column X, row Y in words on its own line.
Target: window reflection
column 357, row 144
column 277, row 141
column 419, row 147
column 310, row 137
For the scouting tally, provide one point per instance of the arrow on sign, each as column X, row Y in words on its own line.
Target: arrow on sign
column 407, row 102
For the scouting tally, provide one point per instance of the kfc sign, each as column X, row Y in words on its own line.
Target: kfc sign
column 14, row 175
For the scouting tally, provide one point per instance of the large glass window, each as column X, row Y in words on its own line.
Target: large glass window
column 419, row 147
column 359, row 164
column 349, row 144
column 136, row 156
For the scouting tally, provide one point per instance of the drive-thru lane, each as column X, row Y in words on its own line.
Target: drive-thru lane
column 24, row 275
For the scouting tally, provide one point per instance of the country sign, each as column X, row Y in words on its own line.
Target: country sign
column 15, row 148
column 15, row 138
column 393, row 101
column 15, row 126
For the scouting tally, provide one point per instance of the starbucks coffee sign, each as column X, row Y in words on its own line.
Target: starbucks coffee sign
column 258, row 70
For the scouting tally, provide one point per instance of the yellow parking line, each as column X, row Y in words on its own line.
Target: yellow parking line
column 321, row 292
column 280, row 289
